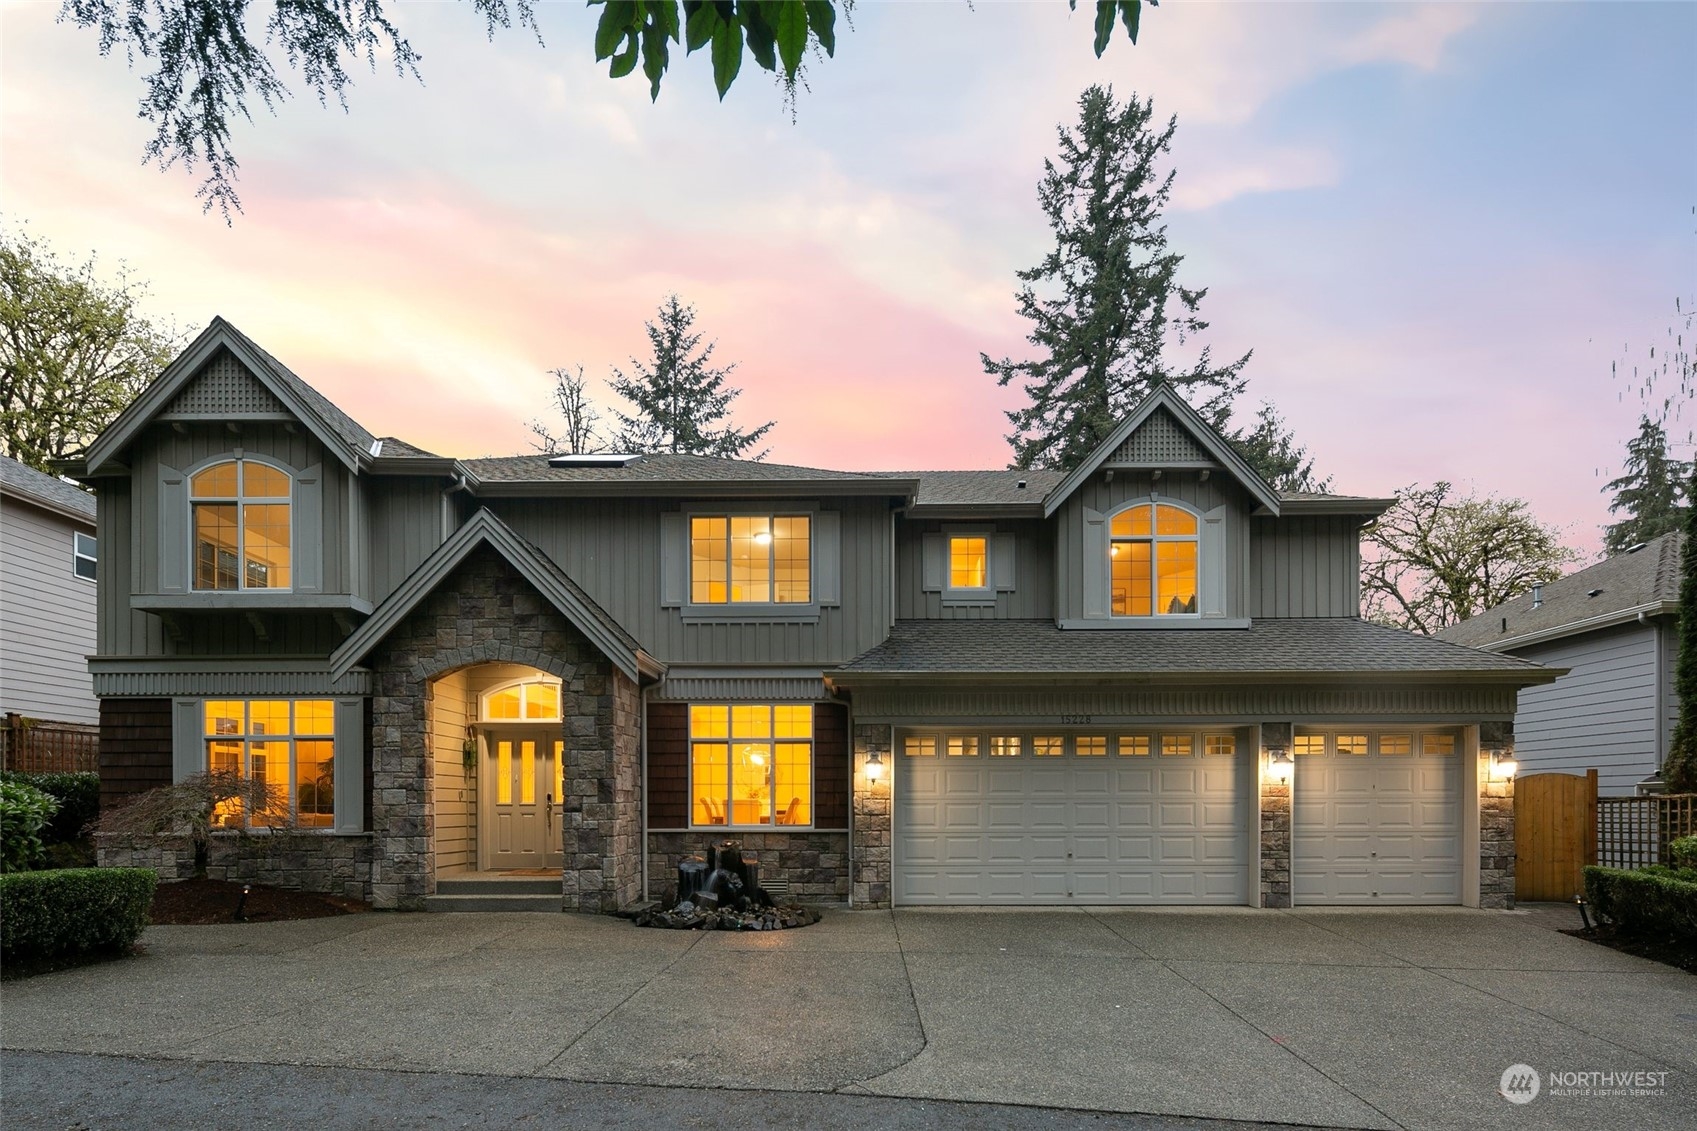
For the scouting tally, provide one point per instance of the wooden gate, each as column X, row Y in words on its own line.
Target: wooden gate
column 1555, row 834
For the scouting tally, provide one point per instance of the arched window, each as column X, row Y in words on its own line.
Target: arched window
column 241, row 526
column 1153, row 564
column 532, row 700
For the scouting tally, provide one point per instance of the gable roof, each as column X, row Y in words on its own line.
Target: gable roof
column 536, row 567
column 1643, row 580
column 1166, row 398
column 335, row 429
column 663, row 470
column 48, row 491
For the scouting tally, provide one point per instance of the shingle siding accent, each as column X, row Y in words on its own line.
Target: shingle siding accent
column 135, row 747
column 668, row 765
column 831, row 785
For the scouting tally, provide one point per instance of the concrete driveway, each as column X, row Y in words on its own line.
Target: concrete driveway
column 1374, row 1018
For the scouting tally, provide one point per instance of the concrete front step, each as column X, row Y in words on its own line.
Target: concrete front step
column 516, row 902
column 495, row 884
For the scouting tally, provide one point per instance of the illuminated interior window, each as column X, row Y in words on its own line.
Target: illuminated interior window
column 240, row 518
column 1004, row 746
column 1152, row 561
column 1177, row 745
column 1396, row 744
column 1134, row 745
column 751, row 764
column 1352, row 744
column 532, row 700
column 920, row 746
column 969, row 563
column 1309, row 744
column 751, row 559
column 289, row 744
column 963, row 746
column 1219, row 744
column 1090, row 745
column 1048, row 746
column 1437, row 744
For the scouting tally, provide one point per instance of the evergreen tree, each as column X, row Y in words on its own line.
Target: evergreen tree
column 1648, row 492
column 1271, row 449
column 1105, row 304
column 1679, row 770
column 679, row 397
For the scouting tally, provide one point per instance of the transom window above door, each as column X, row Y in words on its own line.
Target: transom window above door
column 751, row 559
column 534, row 700
column 242, row 530
column 1153, row 555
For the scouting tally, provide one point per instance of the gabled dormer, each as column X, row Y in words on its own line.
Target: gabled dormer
column 1153, row 529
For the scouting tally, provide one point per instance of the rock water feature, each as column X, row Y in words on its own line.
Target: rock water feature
column 723, row 893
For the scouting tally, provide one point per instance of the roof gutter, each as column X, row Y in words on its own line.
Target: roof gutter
column 48, row 505
column 1516, row 677
column 697, row 488
column 1574, row 628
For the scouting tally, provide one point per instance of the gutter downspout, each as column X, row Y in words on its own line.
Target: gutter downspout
column 642, row 784
column 1661, row 689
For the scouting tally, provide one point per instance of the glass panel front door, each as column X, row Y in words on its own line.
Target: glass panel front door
column 522, row 778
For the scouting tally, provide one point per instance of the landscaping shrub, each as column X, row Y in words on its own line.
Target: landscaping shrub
column 24, row 812
column 1655, row 902
column 73, row 911
column 1684, row 852
column 78, row 796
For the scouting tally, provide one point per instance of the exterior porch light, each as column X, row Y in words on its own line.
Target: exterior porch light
column 1503, row 766
column 874, row 766
column 1280, row 765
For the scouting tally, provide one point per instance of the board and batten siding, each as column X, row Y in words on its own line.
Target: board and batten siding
column 1103, row 496
column 1305, row 566
column 1031, row 598
column 611, row 547
column 1602, row 714
column 404, row 525
column 47, row 617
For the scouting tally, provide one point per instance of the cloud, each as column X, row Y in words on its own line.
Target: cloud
column 1215, row 177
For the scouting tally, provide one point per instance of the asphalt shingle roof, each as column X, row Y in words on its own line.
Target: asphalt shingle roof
column 1318, row 645
column 349, row 430
column 659, row 467
column 984, row 488
column 396, row 448
column 1626, row 581
column 28, row 483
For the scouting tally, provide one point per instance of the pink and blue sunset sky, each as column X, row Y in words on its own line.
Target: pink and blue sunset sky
column 1437, row 225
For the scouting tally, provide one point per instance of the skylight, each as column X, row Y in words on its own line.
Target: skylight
column 594, row 459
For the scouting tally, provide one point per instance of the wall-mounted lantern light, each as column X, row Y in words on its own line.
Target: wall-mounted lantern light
column 1503, row 766
column 1280, row 765
column 874, row 766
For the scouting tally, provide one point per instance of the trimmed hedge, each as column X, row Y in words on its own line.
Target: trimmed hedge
column 1684, row 851
column 1653, row 902
column 73, row 911
column 78, row 796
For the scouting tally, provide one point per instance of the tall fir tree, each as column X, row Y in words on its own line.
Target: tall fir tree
column 1649, row 491
column 1679, row 768
column 679, row 397
column 1105, row 305
column 1271, row 449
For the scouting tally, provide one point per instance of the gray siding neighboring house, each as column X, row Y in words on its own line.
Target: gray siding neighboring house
column 1145, row 680
column 47, row 612
column 1614, row 626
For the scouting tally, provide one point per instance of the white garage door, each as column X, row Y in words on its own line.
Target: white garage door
column 1083, row 819
column 1377, row 819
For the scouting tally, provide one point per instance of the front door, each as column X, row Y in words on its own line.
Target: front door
column 521, row 791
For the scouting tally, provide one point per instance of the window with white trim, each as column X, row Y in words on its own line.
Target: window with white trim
column 1153, row 558
column 85, row 556
column 751, row 764
column 240, row 518
column 289, row 744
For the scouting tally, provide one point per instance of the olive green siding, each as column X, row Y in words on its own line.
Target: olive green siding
column 1305, row 566
column 611, row 547
column 1031, row 598
column 404, row 524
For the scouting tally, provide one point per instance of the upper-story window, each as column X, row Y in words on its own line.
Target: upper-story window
column 241, row 526
column 969, row 561
column 85, row 556
column 1153, row 565
column 750, row 559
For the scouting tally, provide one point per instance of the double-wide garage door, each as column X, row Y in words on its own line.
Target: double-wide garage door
column 984, row 818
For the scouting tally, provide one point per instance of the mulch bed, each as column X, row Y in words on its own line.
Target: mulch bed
column 1668, row 951
column 193, row 902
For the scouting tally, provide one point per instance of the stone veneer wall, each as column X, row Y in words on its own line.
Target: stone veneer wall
column 870, row 821
column 303, row 861
column 814, row 863
column 1496, row 821
column 485, row 612
column 1275, row 818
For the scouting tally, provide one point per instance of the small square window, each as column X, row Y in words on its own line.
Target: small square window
column 1090, row 745
column 1396, row 744
column 1437, row 744
column 1352, row 744
column 85, row 556
column 1134, row 745
column 963, row 746
column 1048, row 746
column 1220, row 744
column 920, row 746
column 1004, row 746
column 1177, row 746
column 1309, row 744
column 969, row 562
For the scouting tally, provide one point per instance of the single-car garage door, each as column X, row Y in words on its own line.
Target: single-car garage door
column 1376, row 818
column 993, row 818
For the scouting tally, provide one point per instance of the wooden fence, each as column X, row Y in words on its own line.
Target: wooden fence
column 46, row 748
column 1635, row 831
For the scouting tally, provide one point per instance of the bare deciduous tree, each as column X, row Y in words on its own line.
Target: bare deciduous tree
column 579, row 418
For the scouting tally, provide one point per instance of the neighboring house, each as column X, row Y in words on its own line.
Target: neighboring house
column 978, row 687
column 49, row 559
column 1615, row 626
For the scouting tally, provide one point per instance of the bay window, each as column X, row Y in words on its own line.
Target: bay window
column 751, row 765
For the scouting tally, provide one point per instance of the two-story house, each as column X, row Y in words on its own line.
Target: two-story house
column 1145, row 681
